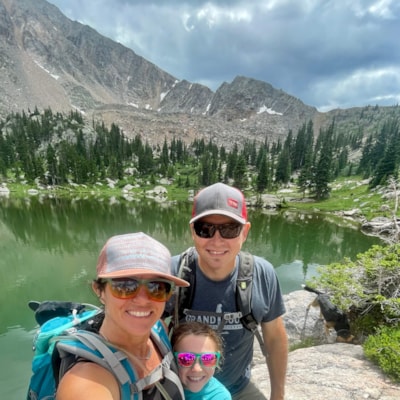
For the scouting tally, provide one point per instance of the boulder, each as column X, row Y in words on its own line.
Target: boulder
column 4, row 190
column 328, row 371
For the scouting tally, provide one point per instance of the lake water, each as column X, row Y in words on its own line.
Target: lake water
column 49, row 248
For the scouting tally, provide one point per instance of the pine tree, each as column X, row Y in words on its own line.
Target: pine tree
column 324, row 164
column 52, row 165
column 262, row 177
column 388, row 163
column 232, row 161
column 205, row 171
column 283, row 168
column 164, row 158
column 306, row 177
column 240, row 173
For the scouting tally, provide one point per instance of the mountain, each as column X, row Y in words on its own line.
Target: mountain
column 47, row 60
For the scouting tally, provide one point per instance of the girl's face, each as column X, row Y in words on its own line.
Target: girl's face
column 195, row 377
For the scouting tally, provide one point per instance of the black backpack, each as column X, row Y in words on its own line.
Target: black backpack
column 244, row 283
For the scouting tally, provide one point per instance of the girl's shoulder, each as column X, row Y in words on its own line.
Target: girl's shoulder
column 212, row 390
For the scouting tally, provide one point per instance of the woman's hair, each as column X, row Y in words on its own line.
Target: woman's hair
column 197, row 329
column 100, row 284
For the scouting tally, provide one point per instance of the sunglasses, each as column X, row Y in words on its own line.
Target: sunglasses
column 157, row 290
column 206, row 230
column 207, row 360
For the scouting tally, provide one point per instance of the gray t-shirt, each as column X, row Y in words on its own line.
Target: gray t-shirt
column 214, row 303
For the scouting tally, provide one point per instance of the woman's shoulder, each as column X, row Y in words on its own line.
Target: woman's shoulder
column 88, row 380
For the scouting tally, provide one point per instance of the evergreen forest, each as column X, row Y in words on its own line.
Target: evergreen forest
column 58, row 149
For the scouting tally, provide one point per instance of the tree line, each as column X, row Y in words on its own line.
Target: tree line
column 57, row 149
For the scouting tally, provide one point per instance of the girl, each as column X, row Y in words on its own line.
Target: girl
column 198, row 352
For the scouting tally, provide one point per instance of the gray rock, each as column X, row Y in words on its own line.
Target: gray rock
column 328, row 371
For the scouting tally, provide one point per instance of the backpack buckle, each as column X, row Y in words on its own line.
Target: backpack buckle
column 249, row 322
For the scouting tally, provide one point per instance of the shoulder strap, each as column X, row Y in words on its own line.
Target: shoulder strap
column 244, row 284
column 159, row 336
column 184, row 295
column 91, row 346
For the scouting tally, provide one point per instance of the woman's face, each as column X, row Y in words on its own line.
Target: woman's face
column 195, row 377
column 130, row 317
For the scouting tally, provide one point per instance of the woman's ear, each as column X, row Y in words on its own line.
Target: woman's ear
column 97, row 291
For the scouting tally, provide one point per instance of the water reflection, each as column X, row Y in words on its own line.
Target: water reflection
column 66, row 226
column 50, row 245
column 309, row 237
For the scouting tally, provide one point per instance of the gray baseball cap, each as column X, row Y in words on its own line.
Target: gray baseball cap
column 220, row 199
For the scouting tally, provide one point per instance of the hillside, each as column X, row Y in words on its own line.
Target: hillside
column 47, row 60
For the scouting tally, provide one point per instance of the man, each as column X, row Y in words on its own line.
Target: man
column 219, row 228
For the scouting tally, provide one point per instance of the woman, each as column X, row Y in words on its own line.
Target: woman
column 198, row 352
column 133, row 283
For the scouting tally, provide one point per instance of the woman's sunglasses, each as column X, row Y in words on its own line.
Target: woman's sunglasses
column 206, row 230
column 157, row 290
column 207, row 360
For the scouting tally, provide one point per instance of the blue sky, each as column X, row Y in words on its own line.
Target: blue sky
column 328, row 53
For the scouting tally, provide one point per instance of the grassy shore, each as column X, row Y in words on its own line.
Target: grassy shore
column 350, row 195
column 347, row 194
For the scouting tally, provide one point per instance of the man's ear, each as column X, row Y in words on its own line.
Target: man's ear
column 192, row 231
column 246, row 230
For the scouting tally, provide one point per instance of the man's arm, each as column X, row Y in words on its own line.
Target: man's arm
column 276, row 345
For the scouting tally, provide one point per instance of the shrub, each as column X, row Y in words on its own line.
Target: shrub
column 383, row 348
column 367, row 289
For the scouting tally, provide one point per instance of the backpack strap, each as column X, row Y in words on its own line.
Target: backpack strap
column 169, row 367
column 184, row 295
column 92, row 347
column 244, row 284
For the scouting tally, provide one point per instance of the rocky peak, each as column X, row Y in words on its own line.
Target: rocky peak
column 246, row 97
column 87, row 68
column 187, row 97
column 47, row 60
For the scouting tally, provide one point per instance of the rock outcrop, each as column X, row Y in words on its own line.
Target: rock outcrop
column 329, row 371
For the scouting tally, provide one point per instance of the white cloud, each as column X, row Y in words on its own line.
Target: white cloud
column 362, row 85
column 381, row 9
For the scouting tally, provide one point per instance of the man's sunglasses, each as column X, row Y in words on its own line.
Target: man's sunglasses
column 157, row 289
column 207, row 360
column 206, row 230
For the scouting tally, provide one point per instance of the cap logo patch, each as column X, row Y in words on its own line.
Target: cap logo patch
column 233, row 203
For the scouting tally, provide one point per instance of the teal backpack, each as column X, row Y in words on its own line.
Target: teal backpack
column 67, row 333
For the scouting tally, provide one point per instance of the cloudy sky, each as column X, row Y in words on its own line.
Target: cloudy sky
column 328, row 53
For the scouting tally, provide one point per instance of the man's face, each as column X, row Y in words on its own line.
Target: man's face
column 217, row 254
